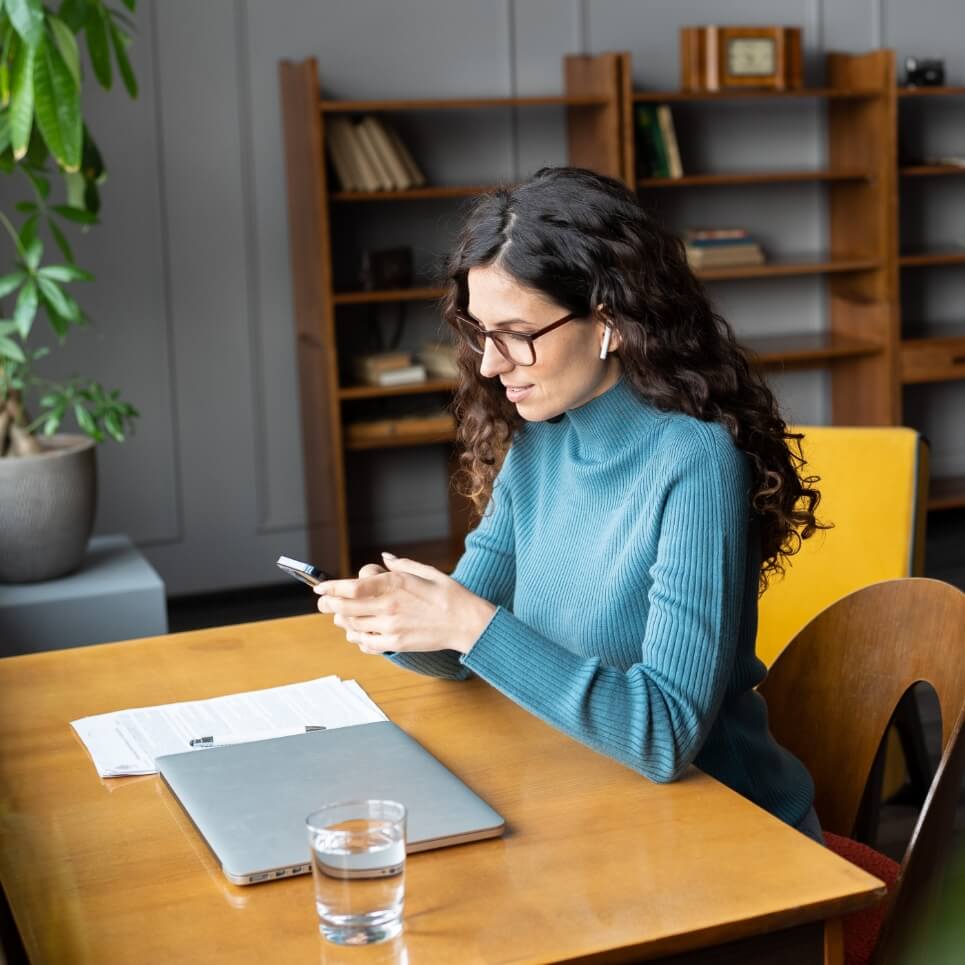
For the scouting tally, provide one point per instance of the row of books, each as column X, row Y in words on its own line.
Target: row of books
column 658, row 154
column 721, row 248
column 416, row 424
column 368, row 155
column 435, row 359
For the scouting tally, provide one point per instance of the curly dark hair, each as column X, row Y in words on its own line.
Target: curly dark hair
column 582, row 239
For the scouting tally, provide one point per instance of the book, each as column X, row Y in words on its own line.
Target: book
column 390, row 156
column 383, row 179
column 669, row 137
column 439, row 358
column 340, row 162
column 653, row 161
column 339, row 139
column 750, row 254
column 378, row 362
column 400, row 376
column 415, row 173
column 693, row 234
column 374, row 429
column 368, row 179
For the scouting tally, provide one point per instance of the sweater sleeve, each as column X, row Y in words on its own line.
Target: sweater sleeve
column 654, row 716
column 487, row 568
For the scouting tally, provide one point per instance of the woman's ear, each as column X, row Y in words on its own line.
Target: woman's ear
column 606, row 319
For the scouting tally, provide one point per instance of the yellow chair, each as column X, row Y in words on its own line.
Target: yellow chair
column 874, row 490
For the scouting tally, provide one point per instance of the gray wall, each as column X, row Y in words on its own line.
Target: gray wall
column 192, row 299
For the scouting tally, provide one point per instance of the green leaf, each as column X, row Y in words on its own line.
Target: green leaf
column 33, row 252
column 130, row 4
column 27, row 17
column 113, row 424
column 75, row 214
column 58, row 300
column 92, row 162
column 86, row 421
column 74, row 14
column 8, row 327
column 9, row 349
column 63, row 273
column 25, row 310
column 61, row 241
column 21, row 99
column 10, row 282
column 28, row 232
column 120, row 42
column 41, row 353
column 98, row 46
column 4, row 129
column 24, row 207
column 58, row 105
column 67, row 45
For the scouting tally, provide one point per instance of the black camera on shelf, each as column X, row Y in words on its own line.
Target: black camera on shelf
column 922, row 72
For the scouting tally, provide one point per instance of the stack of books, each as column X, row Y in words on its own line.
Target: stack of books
column 439, row 359
column 388, row 368
column 658, row 155
column 367, row 155
column 721, row 248
column 427, row 423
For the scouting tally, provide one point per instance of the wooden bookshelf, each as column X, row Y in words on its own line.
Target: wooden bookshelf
column 929, row 352
column 591, row 97
column 860, row 348
column 867, row 359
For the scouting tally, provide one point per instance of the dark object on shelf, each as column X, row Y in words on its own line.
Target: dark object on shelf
column 386, row 269
column 922, row 72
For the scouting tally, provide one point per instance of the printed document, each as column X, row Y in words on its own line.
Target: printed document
column 126, row 742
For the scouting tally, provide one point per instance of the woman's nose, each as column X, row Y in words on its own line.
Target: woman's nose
column 493, row 361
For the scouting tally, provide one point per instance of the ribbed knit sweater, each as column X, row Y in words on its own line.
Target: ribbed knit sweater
column 620, row 551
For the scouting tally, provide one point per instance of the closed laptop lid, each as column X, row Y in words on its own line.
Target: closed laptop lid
column 249, row 801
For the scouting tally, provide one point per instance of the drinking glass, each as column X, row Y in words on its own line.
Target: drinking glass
column 358, row 864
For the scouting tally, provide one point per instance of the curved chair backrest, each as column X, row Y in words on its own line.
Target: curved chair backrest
column 873, row 487
column 833, row 690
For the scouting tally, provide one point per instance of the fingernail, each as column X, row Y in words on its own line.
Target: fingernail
column 389, row 556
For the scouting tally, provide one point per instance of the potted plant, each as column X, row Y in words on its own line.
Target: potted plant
column 48, row 478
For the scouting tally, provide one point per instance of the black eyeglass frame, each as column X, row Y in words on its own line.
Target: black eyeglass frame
column 461, row 315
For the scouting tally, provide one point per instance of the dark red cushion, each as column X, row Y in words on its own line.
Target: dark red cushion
column 861, row 927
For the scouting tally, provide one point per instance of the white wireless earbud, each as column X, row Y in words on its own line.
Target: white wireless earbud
column 606, row 342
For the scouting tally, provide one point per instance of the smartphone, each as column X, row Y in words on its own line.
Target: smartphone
column 305, row 572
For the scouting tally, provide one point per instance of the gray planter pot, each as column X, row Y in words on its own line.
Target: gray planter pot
column 47, row 505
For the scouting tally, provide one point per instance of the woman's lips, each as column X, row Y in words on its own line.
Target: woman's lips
column 515, row 394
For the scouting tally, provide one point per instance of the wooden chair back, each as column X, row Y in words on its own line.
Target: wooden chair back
column 833, row 690
column 832, row 693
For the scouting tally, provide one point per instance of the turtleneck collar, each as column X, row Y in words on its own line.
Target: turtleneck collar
column 608, row 421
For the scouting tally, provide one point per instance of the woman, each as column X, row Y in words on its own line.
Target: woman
column 638, row 489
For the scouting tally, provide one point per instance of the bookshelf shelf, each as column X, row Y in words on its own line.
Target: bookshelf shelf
column 930, row 170
column 388, row 391
column 460, row 104
column 938, row 256
column 806, row 349
column 401, row 442
column 764, row 177
column 931, row 91
column 387, row 295
column 411, row 194
column 790, row 265
column 946, row 492
column 827, row 93
column 935, row 358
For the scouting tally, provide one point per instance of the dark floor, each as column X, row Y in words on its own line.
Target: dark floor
column 273, row 602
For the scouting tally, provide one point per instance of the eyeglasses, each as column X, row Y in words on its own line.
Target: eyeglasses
column 517, row 347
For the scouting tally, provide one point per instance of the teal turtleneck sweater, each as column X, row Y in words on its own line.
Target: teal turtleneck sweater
column 620, row 551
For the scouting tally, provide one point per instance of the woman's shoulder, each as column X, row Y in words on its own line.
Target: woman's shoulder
column 683, row 438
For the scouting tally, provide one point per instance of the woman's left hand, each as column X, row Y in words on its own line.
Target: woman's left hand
column 412, row 607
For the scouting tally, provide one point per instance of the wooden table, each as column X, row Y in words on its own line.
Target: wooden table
column 597, row 863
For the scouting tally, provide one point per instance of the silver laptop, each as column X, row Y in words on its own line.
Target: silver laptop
column 249, row 801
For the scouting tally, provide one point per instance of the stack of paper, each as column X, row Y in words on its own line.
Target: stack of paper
column 127, row 742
